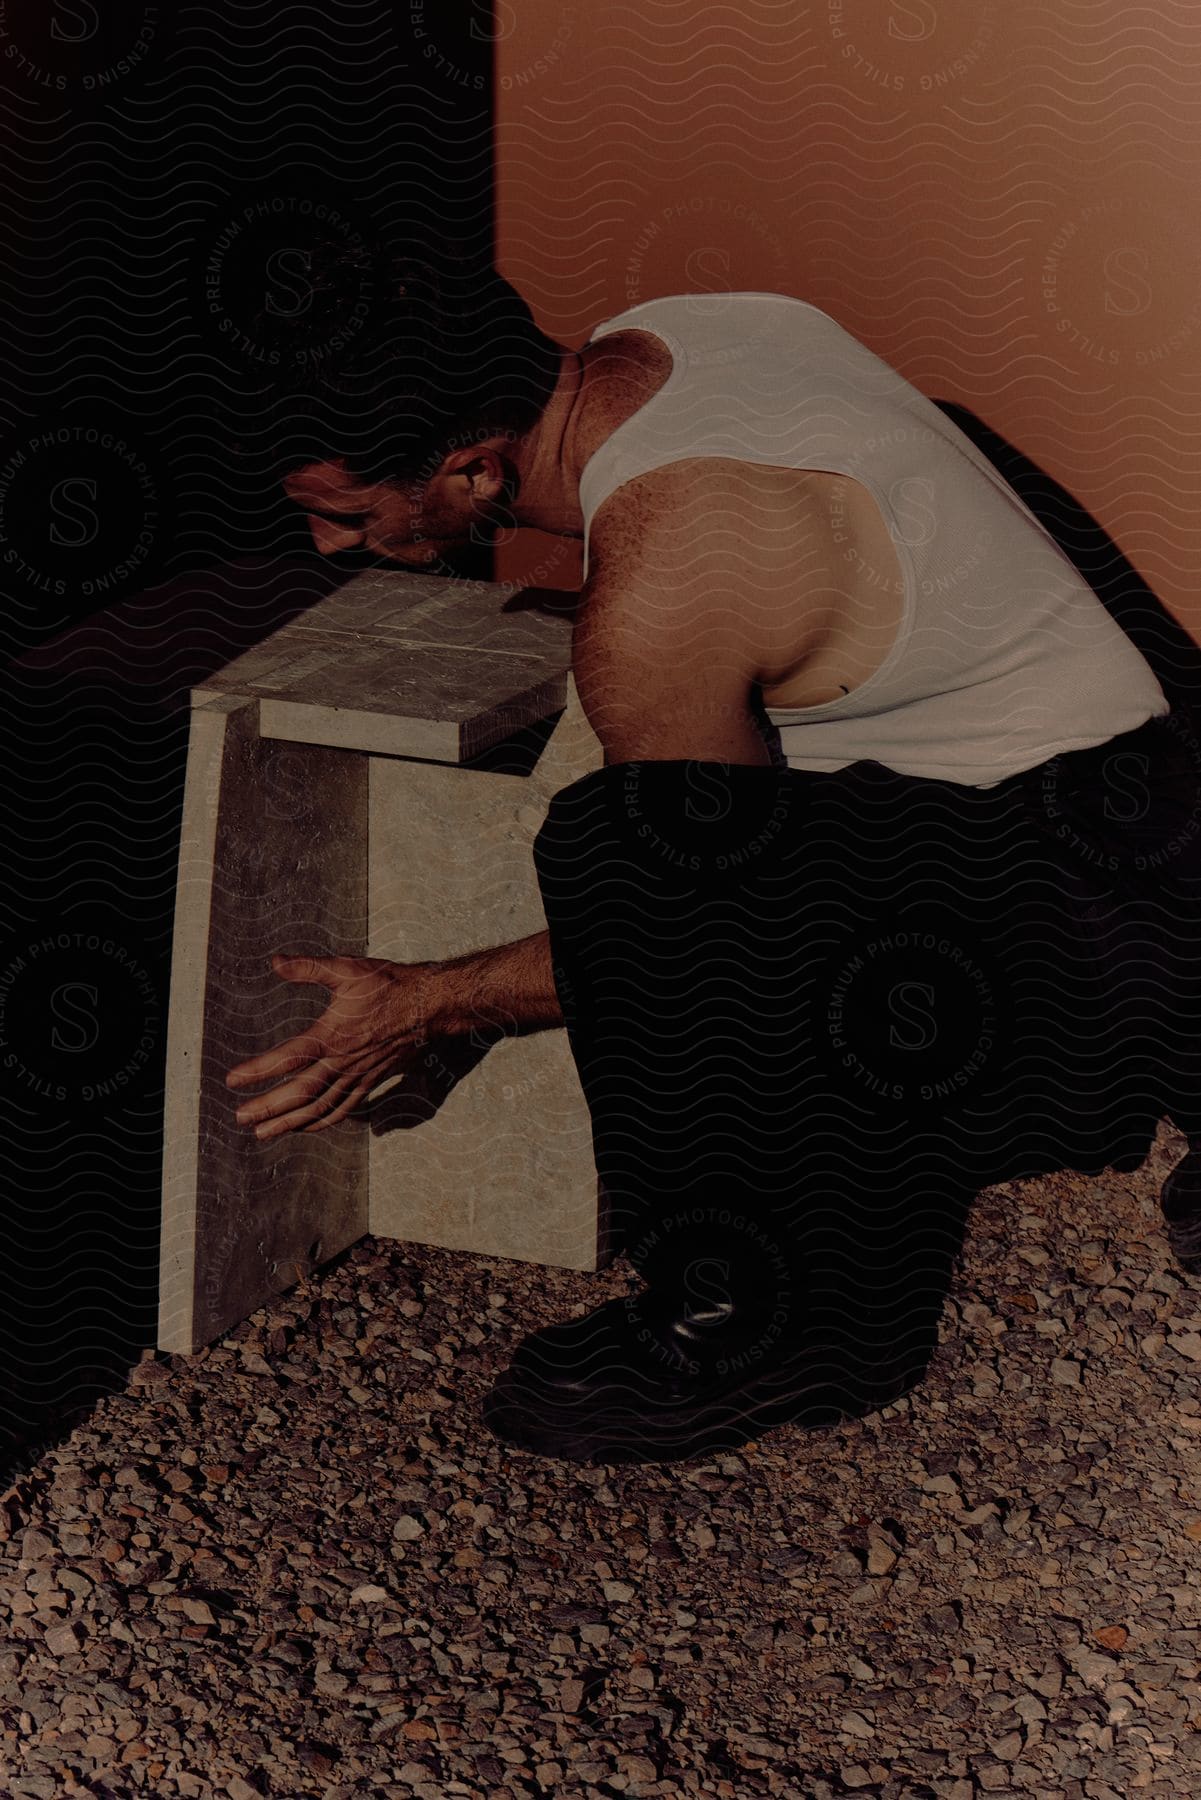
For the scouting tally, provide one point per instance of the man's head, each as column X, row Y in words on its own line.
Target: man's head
column 404, row 520
column 405, row 385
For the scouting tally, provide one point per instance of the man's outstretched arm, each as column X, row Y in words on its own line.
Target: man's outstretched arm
column 380, row 1017
column 510, row 987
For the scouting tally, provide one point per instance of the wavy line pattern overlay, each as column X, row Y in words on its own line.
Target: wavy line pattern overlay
column 169, row 176
column 814, row 1013
column 999, row 200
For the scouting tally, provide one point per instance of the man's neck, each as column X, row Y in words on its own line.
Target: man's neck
column 549, row 460
column 598, row 389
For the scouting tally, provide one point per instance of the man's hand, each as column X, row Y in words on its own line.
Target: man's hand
column 373, row 1027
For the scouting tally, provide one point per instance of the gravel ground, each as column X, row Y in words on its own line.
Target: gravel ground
column 297, row 1563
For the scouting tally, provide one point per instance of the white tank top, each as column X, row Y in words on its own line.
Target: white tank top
column 1004, row 656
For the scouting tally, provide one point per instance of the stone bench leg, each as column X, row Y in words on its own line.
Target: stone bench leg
column 273, row 855
column 509, row 1171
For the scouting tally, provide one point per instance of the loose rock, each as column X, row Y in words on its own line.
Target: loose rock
column 355, row 1593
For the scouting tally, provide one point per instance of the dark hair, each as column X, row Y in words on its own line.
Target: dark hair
column 398, row 357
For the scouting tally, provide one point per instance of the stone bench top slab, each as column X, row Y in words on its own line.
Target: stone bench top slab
column 407, row 665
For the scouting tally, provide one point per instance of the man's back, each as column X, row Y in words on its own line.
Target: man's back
column 898, row 600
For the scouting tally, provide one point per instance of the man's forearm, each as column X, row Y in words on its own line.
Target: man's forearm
column 508, row 987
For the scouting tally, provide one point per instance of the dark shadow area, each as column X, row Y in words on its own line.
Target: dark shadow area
column 417, row 1096
column 518, row 753
column 557, row 603
column 165, row 169
column 1172, row 653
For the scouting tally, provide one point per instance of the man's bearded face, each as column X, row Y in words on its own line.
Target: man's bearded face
column 406, row 522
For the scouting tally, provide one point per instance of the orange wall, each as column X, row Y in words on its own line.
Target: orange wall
column 1002, row 200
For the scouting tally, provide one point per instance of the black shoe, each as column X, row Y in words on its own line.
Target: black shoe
column 612, row 1388
column 1180, row 1199
column 641, row 1340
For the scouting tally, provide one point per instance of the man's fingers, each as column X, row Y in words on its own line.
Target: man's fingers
column 315, row 1079
column 356, row 1095
column 364, row 1086
column 296, row 1117
column 325, row 971
column 294, row 1053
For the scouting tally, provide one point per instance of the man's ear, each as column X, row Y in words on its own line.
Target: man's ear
column 482, row 467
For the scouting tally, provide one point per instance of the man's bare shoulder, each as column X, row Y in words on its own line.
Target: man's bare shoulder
column 740, row 557
column 666, row 643
column 710, row 505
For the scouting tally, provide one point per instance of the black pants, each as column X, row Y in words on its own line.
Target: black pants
column 814, row 1014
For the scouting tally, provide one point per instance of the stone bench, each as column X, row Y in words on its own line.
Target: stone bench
column 351, row 790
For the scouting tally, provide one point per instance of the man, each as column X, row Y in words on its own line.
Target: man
column 840, row 933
